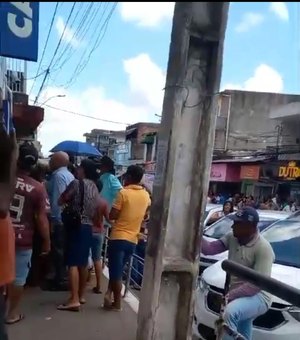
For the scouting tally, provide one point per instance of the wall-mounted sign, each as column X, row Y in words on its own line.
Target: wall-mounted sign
column 19, row 28
column 250, row 172
column 289, row 172
column 122, row 148
column 222, row 172
column 218, row 172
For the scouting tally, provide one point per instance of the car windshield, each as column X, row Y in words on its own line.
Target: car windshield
column 223, row 226
column 284, row 237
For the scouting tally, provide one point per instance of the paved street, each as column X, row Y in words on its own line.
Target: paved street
column 44, row 322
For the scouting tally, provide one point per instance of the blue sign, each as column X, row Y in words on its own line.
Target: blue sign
column 19, row 30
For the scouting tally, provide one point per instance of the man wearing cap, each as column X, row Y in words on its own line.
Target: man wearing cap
column 247, row 247
column 28, row 209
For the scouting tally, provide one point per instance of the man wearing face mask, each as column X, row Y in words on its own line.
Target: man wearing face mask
column 247, row 247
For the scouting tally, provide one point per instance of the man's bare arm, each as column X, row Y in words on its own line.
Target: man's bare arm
column 8, row 160
column 44, row 230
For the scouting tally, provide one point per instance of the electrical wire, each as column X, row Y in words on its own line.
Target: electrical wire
column 44, row 50
column 68, row 46
column 54, row 54
column 86, row 116
column 77, row 35
column 100, row 35
column 35, row 77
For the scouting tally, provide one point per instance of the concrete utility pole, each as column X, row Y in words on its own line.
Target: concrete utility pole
column 183, row 166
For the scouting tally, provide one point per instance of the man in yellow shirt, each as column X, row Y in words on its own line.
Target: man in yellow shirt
column 128, row 212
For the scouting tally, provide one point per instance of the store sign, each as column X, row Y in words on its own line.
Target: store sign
column 218, row 172
column 19, row 27
column 250, row 172
column 122, row 148
column 289, row 172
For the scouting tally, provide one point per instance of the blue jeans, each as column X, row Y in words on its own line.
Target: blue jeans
column 137, row 264
column 97, row 245
column 240, row 313
column 119, row 252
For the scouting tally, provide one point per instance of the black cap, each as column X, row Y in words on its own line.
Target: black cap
column 28, row 154
column 246, row 214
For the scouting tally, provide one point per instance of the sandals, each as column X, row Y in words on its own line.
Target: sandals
column 97, row 290
column 111, row 308
column 68, row 308
column 18, row 319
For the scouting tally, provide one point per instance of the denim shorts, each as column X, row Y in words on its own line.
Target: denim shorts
column 78, row 245
column 97, row 245
column 119, row 252
column 23, row 262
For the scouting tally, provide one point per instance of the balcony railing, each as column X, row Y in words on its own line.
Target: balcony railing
column 16, row 74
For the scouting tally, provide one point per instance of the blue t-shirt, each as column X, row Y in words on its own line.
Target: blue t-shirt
column 57, row 184
column 111, row 187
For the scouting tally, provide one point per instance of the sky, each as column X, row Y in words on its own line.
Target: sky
column 113, row 68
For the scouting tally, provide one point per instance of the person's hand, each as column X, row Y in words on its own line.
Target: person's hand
column 45, row 248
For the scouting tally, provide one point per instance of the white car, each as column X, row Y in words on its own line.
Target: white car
column 223, row 226
column 282, row 321
column 210, row 209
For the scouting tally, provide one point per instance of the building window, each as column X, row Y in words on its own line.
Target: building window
column 149, row 152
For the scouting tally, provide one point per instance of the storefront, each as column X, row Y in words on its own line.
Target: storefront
column 288, row 175
column 252, row 185
column 225, row 178
column 270, row 178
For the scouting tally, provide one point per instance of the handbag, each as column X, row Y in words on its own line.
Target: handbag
column 70, row 216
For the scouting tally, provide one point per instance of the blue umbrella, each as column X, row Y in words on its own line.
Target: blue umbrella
column 76, row 148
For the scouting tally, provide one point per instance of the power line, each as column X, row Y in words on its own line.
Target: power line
column 35, row 77
column 54, row 54
column 83, row 63
column 81, row 26
column 45, row 47
column 68, row 46
column 86, row 116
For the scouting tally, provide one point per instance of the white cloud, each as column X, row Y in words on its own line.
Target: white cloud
column 68, row 34
column 280, row 10
column 265, row 79
column 146, row 81
column 146, row 14
column 148, row 90
column 249, row 20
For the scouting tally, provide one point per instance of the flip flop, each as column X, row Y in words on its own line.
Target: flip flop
column 111, row 308
column 97, row 290
column 12, row 322
column 67, row 308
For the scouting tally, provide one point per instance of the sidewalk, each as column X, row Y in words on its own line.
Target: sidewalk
column 43, row 322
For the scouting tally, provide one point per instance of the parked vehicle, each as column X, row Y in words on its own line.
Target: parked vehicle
column 210, row 209
column 282, row 321
column 223, row 226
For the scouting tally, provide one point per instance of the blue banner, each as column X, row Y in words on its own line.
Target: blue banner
column 19, row 30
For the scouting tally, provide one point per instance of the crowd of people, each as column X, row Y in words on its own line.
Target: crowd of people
column 276, row 202
column 60, row 218
column 63, row 217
